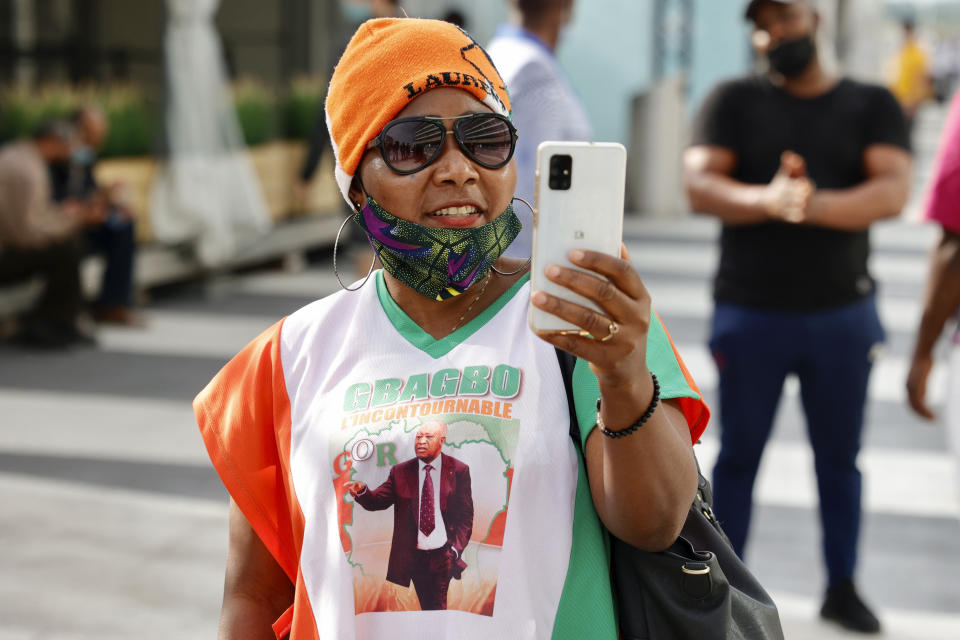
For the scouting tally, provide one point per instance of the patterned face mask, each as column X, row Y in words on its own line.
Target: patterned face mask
column 438, row 263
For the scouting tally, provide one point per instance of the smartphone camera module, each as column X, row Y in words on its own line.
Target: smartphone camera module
column 561, row 167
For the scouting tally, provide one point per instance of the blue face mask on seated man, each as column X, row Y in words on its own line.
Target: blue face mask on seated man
column 82, row 155
column 436, row 262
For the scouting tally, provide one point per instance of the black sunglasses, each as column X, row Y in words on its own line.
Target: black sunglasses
column 408, row 145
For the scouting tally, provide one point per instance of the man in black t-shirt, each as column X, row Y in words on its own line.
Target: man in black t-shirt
column 797, row 164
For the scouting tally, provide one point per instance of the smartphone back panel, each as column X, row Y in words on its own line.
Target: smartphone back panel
column 578, row 205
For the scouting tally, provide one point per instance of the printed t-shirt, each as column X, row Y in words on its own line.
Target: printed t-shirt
column 336, row 393
column 780, row 266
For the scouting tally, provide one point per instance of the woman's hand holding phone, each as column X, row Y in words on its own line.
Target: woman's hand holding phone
column 595, row 306
column 621, row 359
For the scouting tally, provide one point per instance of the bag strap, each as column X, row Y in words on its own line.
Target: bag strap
column 567, row 363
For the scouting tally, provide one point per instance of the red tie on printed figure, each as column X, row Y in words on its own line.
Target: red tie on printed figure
column 426, row 503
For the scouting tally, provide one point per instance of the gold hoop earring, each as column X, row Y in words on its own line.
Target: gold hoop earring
column 336, row 272
column 524, row 265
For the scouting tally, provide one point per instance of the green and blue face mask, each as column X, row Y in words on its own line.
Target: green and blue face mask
column 437, row 263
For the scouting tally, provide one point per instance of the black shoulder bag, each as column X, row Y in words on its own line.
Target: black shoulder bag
column 698, row 589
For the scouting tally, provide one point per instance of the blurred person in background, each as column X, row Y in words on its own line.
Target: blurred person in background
column 39, row 238
column 797, row 164
column 355, row 13
column 942, row 298
column 455, row 16
column 385, row 9
column 109, row 230
column 911, row 82
column 545, row 106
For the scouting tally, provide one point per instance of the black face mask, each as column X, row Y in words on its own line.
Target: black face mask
column 792, row 57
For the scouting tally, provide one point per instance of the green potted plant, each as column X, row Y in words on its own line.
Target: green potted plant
column 255, row 108
column 303, row 104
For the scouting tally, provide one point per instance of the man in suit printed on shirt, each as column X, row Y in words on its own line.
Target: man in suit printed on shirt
column 432, row 517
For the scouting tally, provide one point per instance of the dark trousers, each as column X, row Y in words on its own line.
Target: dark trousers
column 831, row 354
column 431, row 577
column 59, row 267
column 115, row 240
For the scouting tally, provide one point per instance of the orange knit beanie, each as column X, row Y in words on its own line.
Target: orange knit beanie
column 388, row 63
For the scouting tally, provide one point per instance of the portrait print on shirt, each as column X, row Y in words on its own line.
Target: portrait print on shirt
column 422, row 473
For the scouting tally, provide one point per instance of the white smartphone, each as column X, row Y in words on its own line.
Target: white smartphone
column 578, row 205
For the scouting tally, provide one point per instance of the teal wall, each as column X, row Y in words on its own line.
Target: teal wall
column 607, row 53
column 721, row 46
column 609, row 56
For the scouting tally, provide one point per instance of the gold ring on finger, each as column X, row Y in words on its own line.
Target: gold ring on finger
column 583, row 333
column 613, row 329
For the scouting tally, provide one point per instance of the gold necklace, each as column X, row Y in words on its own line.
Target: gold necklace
column 483, row 288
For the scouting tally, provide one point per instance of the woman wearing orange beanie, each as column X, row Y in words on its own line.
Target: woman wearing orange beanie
column 398, row 455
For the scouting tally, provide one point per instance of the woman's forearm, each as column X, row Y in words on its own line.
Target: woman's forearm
column 246, row 617
column 256, row 591
column 642, row 484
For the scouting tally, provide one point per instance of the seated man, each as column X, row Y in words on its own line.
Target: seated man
column 39, row 238
column 108, row 230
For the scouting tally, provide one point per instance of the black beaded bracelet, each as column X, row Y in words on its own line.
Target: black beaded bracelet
column 639, row 423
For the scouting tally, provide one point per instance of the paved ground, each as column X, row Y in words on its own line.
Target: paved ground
column 114, row 526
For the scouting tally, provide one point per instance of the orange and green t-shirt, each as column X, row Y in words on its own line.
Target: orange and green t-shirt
column 336, row 393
